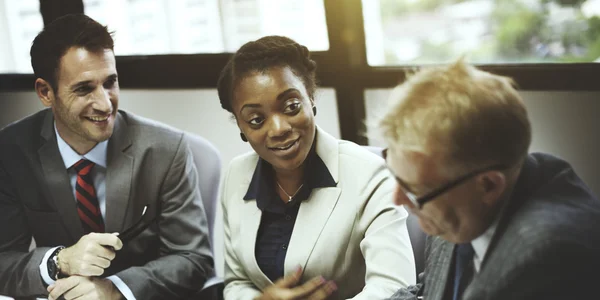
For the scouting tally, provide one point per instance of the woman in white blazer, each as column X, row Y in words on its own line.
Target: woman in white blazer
column 305, row 205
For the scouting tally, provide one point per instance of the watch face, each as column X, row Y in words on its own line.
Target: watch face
column 52, row 267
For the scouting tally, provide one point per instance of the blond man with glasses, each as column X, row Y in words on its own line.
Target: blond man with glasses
column 503, row 223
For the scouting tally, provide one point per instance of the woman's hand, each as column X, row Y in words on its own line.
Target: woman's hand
column 285, row 288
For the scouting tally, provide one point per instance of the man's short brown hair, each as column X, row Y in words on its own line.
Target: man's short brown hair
column 51, row 44
column 471, row 117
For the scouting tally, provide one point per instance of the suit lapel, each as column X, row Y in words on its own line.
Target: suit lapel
column 119, row 176
column 438, row 270
column 57, row 179
column 316, row 210
column 511, row 206
column 248, row 232
column 328, row 151
column 310, row 222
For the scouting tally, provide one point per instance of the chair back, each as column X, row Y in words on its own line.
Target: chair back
column 208, row 165
column 207, row 160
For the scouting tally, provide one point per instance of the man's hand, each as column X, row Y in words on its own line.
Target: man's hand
column 84, row 288
column 90, row 255
column 285, row 288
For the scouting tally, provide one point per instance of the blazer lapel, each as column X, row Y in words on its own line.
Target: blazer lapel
column 248, row 232
column 438, row 270
column 328, row 149
column 119, row 175
column 316, row 210
column 57, row 179
column 310, row 222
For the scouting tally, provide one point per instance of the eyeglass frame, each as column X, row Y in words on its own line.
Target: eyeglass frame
column 420, row 201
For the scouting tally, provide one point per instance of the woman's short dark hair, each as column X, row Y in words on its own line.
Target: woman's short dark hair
column 73, row 30
column 261, row 55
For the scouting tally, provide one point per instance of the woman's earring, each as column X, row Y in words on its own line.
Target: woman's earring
column 314, row 110
column 243, row 137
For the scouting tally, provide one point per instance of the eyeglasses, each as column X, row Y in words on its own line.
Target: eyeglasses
column 420, row 201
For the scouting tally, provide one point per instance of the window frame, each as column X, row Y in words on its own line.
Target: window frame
column 343, row 67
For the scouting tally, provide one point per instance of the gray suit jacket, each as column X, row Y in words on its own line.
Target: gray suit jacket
column 149, row 164
column 546, row 245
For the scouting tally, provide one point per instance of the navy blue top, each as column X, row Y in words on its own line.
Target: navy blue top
column 278, row 218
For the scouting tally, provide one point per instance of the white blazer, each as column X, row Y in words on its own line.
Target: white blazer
column 352, row 234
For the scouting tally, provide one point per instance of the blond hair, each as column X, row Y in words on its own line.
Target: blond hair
column 469, row 116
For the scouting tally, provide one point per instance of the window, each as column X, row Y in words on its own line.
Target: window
column 410, row 32
column 207, row 26
column 20, row 22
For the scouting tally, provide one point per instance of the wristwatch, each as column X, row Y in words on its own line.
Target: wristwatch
column 52, row 264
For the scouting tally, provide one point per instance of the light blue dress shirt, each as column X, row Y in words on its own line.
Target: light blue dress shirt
column 98, row 156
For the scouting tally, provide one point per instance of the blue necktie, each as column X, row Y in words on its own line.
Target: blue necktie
column 463, row 268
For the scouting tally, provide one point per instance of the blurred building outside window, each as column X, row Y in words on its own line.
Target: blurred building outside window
column 417, row 32
column 146, row 27
column 20, row 22
column 158, row 27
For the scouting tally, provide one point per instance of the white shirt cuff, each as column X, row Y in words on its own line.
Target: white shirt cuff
column 123, row 288
column 44, row 267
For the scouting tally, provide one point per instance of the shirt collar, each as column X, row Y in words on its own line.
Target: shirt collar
column 521, row 190
column 97, row 155
column 262, row 185
column 482, row 242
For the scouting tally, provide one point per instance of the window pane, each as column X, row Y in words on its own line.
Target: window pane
column 20, row 22
column 376, row 103
column 207, row 26
column 407, row 32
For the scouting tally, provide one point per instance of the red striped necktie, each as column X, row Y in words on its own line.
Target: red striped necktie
column 88, row 207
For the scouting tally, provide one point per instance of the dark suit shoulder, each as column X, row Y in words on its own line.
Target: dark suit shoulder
column 554, row 206
column 149, row 125
column 23, row 130
column 545, row 167
column 151, row 134
column 548, row 235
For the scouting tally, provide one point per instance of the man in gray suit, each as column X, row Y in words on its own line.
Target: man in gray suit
column 503, row 224
column 74, row 175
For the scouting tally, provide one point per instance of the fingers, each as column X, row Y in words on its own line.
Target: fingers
column 285, row 288
column 87, row 269
column 77, row 292
column 90, row 255
column 94, row 261
column 323, row 292
column 107, row 239
column 308, row 287
column 89, row 265
column 81, row 290
column 101, row 251
column 291, row 279
column 100, row 262
column 62, row 286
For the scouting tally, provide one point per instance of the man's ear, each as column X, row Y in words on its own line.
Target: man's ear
column 45, row 92
column 493, row 185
